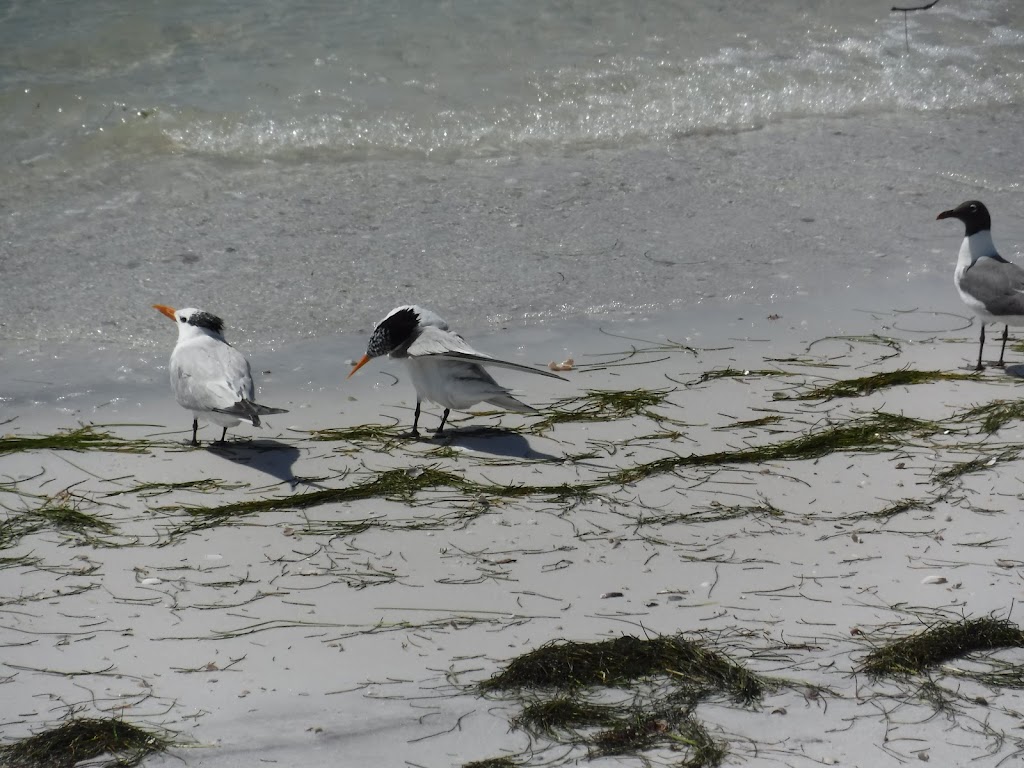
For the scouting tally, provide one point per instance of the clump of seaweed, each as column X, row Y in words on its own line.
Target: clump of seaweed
column 869, row 434
column 635, row 734
column 994, row 415
column 899, row 507
column 564, row 713
column 669, row 724
column 398, row 484
column 402, row 484
column 1001, row 676
column 622, row 661
column 604, row 405
column 82, row 739
column 940, row 643
column 204, row 485
column 361, row 433
column 714, row 512
column 669, row 676
column 869, row 384
column 705, row 752
column 68, row 517
column 980, row 464
column 492, row 762
column 86, row 438
column 358, row 433
column 60, row 516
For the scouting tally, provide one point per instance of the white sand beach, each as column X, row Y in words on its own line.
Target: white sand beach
column 772, row 443
column 354, row 633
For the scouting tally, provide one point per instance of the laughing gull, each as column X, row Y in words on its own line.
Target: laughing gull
column 991, row 286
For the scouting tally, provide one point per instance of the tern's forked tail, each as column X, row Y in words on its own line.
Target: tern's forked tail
column 511, row 404
column 247, row 409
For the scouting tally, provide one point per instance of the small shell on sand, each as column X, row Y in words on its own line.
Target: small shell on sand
column 566, row 365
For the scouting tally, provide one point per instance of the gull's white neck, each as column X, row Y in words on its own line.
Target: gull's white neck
column 977, row 246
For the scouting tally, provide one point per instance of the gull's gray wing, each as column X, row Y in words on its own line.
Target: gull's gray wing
column 435, row 342
column 209, row 375
column 998, row 284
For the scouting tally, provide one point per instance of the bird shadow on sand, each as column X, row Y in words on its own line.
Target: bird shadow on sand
column 264, row 455
column 492, row 440
column 1016, row 371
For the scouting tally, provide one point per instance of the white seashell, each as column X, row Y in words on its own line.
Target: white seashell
column 933, row 580
column 566, row 365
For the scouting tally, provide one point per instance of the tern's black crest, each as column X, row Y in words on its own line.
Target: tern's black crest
column 394, row 330
column 973, row 214
column 206, row 320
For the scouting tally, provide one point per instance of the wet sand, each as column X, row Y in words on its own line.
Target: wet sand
column 352, row 633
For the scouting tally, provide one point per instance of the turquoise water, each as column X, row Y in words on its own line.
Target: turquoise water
column 330, row 81
column 301, row 168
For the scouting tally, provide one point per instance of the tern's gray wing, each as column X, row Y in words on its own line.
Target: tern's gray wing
column 210, row 375
column 999, row 285
column 437, row 342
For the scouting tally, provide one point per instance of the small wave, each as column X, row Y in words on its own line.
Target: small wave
column 606, row 98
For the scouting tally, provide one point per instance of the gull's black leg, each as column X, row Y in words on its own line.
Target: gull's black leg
column 1006, row 335
column 981, row 346
column 444, row 418
column 195, row 428
column 415, row 420
column 224, row 435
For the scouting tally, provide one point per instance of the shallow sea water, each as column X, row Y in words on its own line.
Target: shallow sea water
column 301, row 170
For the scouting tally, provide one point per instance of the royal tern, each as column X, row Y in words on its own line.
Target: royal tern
column 990, row 285
column 208, row 376
column 444, row 369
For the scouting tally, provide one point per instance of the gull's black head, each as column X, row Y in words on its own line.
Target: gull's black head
column 973, row 214
column 393, row 331
column 201, row 319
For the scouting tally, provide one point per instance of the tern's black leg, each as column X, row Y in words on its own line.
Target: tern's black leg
column 981, row 346
column 224, row 435
column 195, row 428
column 1006, row 335
column 444, row 418
column 415, row 420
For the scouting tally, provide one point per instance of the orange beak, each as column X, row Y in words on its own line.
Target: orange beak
column 165, row 310
column 360, row 364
